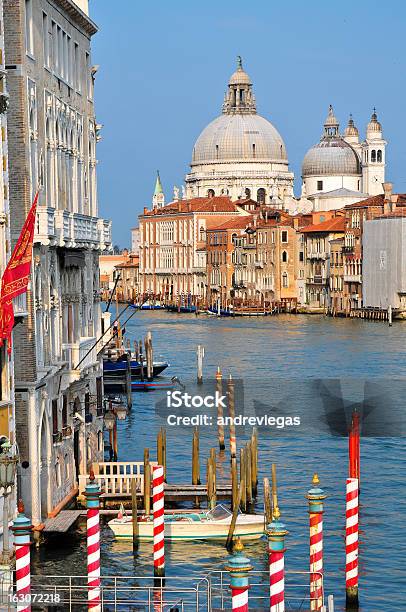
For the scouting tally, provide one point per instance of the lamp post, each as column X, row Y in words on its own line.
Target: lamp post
column 8, row 467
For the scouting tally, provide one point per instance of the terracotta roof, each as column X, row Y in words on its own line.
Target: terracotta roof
column 215, row 204
column 337, row 224
column 373, row 201
column 399, row 199
column 240, row 222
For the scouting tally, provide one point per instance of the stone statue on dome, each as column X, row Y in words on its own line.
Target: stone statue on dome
column 176, row 193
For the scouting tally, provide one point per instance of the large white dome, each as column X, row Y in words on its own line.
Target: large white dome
column 239, row 137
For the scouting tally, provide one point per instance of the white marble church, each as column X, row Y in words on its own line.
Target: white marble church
column 241, row 154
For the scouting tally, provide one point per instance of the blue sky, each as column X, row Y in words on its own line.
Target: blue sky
column 164, row 67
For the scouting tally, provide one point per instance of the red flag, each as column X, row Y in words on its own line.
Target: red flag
column 16, row 275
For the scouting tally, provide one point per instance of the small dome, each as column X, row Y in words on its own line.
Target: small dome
column 239, row 77
column 239, row 137
column 331, row 119
column 374, row 125
column 351, row 129
column 331, row 156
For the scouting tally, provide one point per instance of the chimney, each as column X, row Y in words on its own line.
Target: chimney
column 214, row 207
column 387, row 198
column 189, row 206
column 145, row 210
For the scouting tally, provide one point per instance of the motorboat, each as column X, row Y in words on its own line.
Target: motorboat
column 210, row 526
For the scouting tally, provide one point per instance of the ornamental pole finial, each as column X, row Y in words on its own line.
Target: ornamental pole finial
column 315, row 480
column 239, row 546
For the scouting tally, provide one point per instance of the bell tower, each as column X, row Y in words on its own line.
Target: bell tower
column 158, row 199
column 373, row 158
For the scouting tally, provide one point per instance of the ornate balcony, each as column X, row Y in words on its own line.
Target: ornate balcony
column 352, row 278
column 72, row 230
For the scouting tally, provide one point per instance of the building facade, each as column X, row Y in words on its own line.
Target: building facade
column 52, row 147
column 7, row 406
column 384, row 263
column 173, row 245
column 318, row 237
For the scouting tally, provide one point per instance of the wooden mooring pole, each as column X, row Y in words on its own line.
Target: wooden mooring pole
column 147, row 483
column 220, row 426
column 254, row 461
column 234, row 482
column 231, row 412
column 242, row 479
column 149, row 355
column 229, row 541
column 195, row 458
column 141, row 358
column 134, row 513
column 128, row 381
column 248, row 478
column 267, row 501
column 200, row 356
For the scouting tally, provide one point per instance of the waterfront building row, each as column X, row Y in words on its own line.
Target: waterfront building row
column 212, row 250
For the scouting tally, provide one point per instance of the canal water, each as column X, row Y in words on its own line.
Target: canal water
column 313, row 367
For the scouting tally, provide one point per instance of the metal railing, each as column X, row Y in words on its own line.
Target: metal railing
column 117, row 594
column 170, row 594
column 297, row 596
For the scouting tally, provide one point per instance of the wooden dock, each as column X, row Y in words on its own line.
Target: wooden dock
column 62, row 522
column 174, row 493
column 115, row 481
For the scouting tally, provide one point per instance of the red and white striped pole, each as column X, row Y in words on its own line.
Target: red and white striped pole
column 92, row 494
column 158, row 518
column 276, row 537
column 351, row 543
column 22, row 540
column 315, row 495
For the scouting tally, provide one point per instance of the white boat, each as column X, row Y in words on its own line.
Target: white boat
column 212, row 526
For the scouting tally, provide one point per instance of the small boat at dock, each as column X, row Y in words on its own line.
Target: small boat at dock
column 210, row 526
column 118, row 366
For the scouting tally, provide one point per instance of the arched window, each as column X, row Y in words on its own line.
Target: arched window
column 284, row 256
column 210, row 193
column 285, row 282
column 373, row 155
column 248, row 193
column 253, row 150
column 379, row 155
column 261, row 196
column 217, row 151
